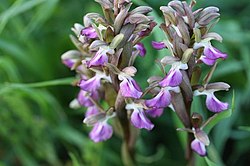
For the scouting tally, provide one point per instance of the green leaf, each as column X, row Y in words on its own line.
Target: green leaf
column 209, row 162
column 245, row 128
column 16, row 9
column 74, row 159
column 220, row 116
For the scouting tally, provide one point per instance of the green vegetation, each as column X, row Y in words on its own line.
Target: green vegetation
column 37, row 127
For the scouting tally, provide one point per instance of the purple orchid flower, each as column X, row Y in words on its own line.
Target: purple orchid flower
column 155, row 112
column 198, row 147
column 211, row 54
column 158, row 45
column 174, row 76
column 101, row 130
column 89, row 33
column 83, row 98
column 142, row 50
column 92, row 110
column 212, row 103
column 163, row 98
column 100, row 57
column 128, row 86
column 70, row 58
column 93, row 84
column 138, row 116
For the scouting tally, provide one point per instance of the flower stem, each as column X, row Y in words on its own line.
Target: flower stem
column 10, row 86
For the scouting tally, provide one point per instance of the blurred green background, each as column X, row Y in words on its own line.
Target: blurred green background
column 37, row 127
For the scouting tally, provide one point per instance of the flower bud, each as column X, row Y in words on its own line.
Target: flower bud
column 141, row 10
column 169, row 15
column 196, row 120
column 116, row 41
column 186, row 55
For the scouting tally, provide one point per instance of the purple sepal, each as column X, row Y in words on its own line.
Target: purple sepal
column 90, row 85
column 69, row 62
column 161, row 100
column 129, row 88
column 92, row 110
column 141, row 48
column 140, row 120
column 214, row 105
column 173, row 78
column 83, row 99
column 207, row 61
column 89, row 32
column 211, row 55
column 158, row 45
column 99, row 59
column 198, row 147
column 155, row 112
column 101, row 132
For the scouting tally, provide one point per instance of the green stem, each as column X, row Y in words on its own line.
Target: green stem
column 10, row 86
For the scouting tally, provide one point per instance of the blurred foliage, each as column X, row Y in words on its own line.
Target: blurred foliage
column 38, row 128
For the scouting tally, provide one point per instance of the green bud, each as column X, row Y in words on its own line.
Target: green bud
column 116, row 41
column 186, row 55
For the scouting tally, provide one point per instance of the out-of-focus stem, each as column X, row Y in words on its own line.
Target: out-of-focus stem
column 127, row 147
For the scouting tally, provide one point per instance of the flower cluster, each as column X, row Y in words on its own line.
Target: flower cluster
column 107, row 48
column 189, row 43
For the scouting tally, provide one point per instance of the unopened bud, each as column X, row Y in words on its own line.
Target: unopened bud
column 196, row 120
column 178, row 7
column 141, row 10
column 169, row 15
column 106, row 4
column 137, row 18
column 186, row 55
column 119, row 20
column 218, row 86
column 197, row 34
column 97, row 44
column 131, row 70
column 116, row 41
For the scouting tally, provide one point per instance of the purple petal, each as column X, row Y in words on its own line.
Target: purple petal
column 214, row 53
column 161, row 100
column 91, row 111
column 90, row 85
column 139, row 120
column 141, row 48
column 69, row 62
column 198, row 147
column 99, row 59
column 158, row 45
column 155, row 112
column 214, row 105
column 101, row 132
column 173, row 78
column 89, row 32
column 129, row 88
column 207, row 61
column 83, row 99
